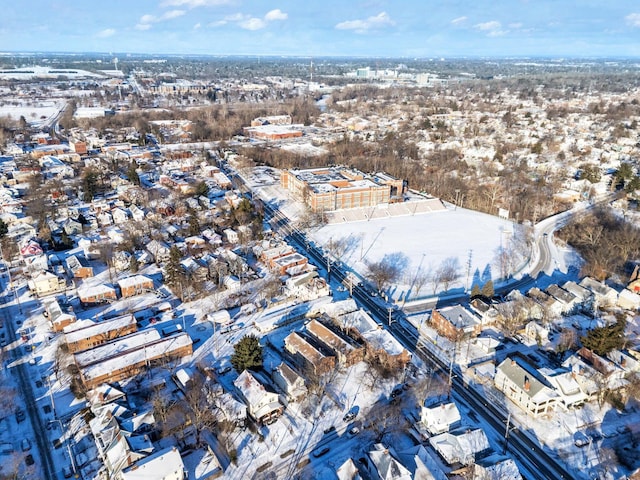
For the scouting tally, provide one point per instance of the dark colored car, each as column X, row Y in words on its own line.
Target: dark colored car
column 29, row 460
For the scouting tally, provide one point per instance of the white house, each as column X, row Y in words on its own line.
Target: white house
column 440, row 418
column 525, row 387
column 262, row 403
column 291, row 384
column 462, row 447
column 164, row 464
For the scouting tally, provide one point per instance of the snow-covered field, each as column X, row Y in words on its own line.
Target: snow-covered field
column 426, row 240
column 34, row 112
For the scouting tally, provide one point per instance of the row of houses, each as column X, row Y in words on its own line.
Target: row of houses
column 584, row 376
column 547, row 305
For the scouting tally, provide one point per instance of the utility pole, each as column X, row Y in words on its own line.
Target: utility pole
column 506, row 434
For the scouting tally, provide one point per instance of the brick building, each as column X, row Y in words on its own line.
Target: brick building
column 334, row 188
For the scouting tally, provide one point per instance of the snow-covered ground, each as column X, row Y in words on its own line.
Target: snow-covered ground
column 34, row 112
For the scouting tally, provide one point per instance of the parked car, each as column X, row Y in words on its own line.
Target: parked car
column 29, row 460
column 353, row 432
column 25, row 444
column 321, row 452
column 20, row 415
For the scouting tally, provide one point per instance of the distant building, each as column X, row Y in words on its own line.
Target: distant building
column 334, row 188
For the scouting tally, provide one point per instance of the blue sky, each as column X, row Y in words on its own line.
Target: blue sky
column 409, row 28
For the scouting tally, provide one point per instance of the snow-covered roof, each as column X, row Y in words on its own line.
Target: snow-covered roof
column 141, row 355
column 122, row 345
column 97, row 329
column 163, row 464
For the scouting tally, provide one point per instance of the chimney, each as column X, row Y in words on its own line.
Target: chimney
column 527, row 384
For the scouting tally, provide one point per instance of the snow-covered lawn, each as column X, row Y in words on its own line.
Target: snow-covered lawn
column 426, row 240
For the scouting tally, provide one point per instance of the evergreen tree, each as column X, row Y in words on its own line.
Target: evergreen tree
column 194, row 224
column 247, row 354
column 173, row 270
column 475, row 291
column 89, row 184
column 132, row 174
column 487, row 289
column 201, row 189
column 602, row 340
column 134, row 265
column 4, row 229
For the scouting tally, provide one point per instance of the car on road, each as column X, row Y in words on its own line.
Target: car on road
column 349, row 416
column 67, row 472
column 20, row 415
column 329, row 430
column 321, row 452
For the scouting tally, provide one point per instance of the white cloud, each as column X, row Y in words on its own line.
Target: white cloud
column 633, row 19
column 197, row 26
column 492, row 28
column 146, row 20
column 362, row 26
column 107, row 32
column 276, row 14
column 253, row 23
column 486, row 26
column 195, row 3
column 515, row 25
column 248, row 22
column 459, row 20
column 172, row 14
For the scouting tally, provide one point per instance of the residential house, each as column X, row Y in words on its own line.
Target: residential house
column 119, row 215
column 137, row 213
column 160, row 251
column 291, row 264
column 165, row 464
column 135, row 285
column 603, row 294
column 72, row 227
column 463, row 447
column 46, row 283
column 441, row 418
column 496, row 468
column 379, row 341
column 97, row 294
column 344, row 348
column 231, row 236
column 564, row 383
column 289, row 382
column 455, row 322
column 307, row 286
column 595, row 374
column 57, row 316
column 79, row 267
column 536, row 332
column 385, row 465
column 628, row 360
column 524, row 386
column 262, row 403
column 566, row 299
column 583, row 295
column 628, row 300
column 308, row 356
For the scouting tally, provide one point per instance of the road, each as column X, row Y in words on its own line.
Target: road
column 9, row 316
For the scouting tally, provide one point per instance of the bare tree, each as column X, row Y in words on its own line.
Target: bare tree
column 387, row 270
column 447, row 273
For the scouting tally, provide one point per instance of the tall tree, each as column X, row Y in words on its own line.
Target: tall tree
column 247, row 354
column 173, row 270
